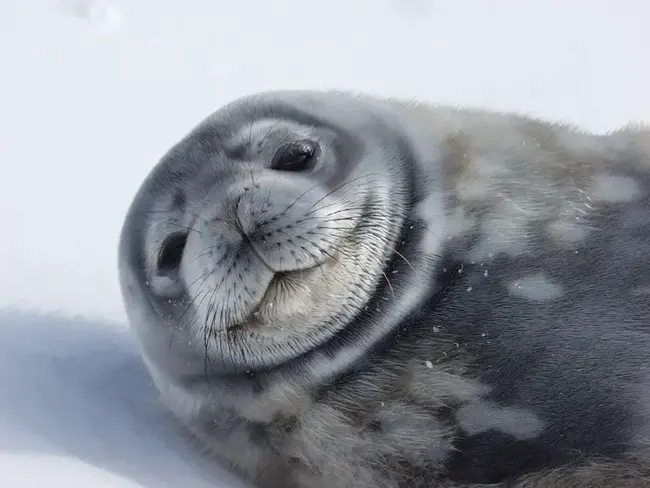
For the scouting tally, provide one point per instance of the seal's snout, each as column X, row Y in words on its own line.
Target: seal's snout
column 258, row 247
column 288, row 228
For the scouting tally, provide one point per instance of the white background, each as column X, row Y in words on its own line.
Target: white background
column 93, row 92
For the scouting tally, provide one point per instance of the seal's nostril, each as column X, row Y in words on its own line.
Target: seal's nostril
column 171, row 253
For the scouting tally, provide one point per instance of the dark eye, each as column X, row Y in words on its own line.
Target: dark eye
column 171, row 254
column 296, row 156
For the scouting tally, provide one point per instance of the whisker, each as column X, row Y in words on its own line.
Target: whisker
column 337, row 189
column 404, row 258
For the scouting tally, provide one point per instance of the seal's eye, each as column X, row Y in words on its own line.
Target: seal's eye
column 171, row 254
column 296, row 156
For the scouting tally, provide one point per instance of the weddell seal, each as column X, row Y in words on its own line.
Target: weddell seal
column 333, row 290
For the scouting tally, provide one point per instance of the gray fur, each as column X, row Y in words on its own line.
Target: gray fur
column 449, row 298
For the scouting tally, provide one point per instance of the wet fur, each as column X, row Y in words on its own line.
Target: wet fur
column 506, row 341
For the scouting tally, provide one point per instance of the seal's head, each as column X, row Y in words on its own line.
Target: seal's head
column 264, row 232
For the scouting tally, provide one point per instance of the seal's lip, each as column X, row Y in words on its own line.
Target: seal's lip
column 253, row 320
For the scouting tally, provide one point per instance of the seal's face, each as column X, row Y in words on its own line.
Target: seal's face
column 263, row 232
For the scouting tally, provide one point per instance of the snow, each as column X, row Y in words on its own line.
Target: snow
column 93, row 92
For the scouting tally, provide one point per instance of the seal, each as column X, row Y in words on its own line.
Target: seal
column 334, row 290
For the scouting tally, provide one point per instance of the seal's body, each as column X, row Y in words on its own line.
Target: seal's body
column 338, row 291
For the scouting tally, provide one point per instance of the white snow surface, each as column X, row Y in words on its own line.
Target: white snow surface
column 92, row 92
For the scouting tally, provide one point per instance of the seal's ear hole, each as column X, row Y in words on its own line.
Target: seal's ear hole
column 171, row 254
column 296, row 156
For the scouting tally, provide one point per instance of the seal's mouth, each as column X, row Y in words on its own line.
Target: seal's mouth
column 256, row 319
column 279, row 300
column 260, row 319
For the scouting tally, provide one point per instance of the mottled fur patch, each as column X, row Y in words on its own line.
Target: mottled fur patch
column 614, row 189
column 593, row 474
column 535, row 287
